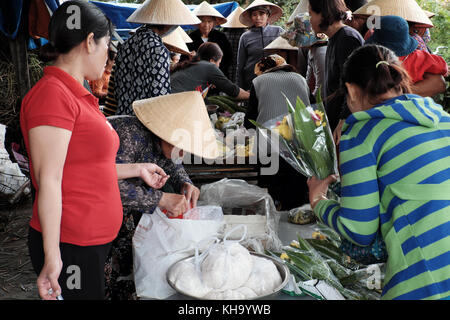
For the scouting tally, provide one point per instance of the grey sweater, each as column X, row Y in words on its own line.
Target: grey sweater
column 269, row 89
column 251, row 50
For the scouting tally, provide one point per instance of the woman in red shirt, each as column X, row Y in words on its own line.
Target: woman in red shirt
column 77, row 210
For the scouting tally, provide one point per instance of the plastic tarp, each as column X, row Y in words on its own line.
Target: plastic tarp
column 11, row 12
column 119, row 13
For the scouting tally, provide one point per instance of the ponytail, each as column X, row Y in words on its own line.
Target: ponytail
column 376, row 70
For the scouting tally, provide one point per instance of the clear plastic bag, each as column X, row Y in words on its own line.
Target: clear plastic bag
column 204, row 213
column 243, row 203
column 305, row 138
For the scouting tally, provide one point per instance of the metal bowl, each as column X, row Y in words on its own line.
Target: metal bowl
column 212, row 108
column 282, row 269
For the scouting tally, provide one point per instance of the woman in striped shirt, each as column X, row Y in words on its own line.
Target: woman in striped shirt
column 395, row 176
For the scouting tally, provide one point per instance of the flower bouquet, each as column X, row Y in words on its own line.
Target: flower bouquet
column 305, row 139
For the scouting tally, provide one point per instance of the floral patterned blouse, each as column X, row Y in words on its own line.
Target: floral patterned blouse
column 137, row 145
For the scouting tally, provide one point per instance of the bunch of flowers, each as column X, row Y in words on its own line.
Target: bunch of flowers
column 305, row 138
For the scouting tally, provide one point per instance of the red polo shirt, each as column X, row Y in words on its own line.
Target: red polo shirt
column 91, row 206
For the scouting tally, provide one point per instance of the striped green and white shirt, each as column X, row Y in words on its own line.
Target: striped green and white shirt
column 395, row 175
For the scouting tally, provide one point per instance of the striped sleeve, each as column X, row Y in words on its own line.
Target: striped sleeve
column 356, row 217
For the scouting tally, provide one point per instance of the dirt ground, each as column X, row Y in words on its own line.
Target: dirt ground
column 17, row 278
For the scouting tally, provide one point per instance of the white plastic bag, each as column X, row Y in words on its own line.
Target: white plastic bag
column 158, row 243
column 228, row 265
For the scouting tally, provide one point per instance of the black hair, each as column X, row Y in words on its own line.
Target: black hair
column 111, row 54
column 206, row 51
column 267, row 63
column 331, row 10
column 376, row 70
column 70, row 25
column 266, row 9
column 354, row 5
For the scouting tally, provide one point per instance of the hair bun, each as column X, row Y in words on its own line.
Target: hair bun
column 48, row 52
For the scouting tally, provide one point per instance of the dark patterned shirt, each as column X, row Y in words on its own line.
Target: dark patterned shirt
column 233, row 35
column 142, row 69
column 140, row 145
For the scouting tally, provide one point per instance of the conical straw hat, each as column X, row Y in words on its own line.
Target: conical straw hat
column 407, row 9
column 302, row 7
column 175, row 43
column 184, row 35
column 205, row 9
column 429, row 13
column 180, row 119
column 233, row 19
column 163, row 12
column 276, row 12
column 280, row 43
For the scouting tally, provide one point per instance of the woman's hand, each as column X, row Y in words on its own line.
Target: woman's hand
column 318, row 189
column 48, row 278
column 152, row 175
column 191, row 192
column 174, row 203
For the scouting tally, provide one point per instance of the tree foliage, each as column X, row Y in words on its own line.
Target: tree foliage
column 441, row 20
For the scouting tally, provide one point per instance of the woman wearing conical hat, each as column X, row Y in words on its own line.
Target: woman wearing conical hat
column 417, row 18
column 206, row 32
column 143, row 63
column 258, row 16
column 162, row 130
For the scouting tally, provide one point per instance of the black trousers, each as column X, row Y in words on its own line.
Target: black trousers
column 287, row 186
column 83, row 272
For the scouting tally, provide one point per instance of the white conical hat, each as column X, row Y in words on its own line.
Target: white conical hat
column 180, row 119
column 184, row 35
column 429, row 13
column 280, row 43
column 174, row 42
column 233, row 19
column 302, row 7
column 407, row 9
column 163, row 12
column 276, row 12
column 205, row 9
